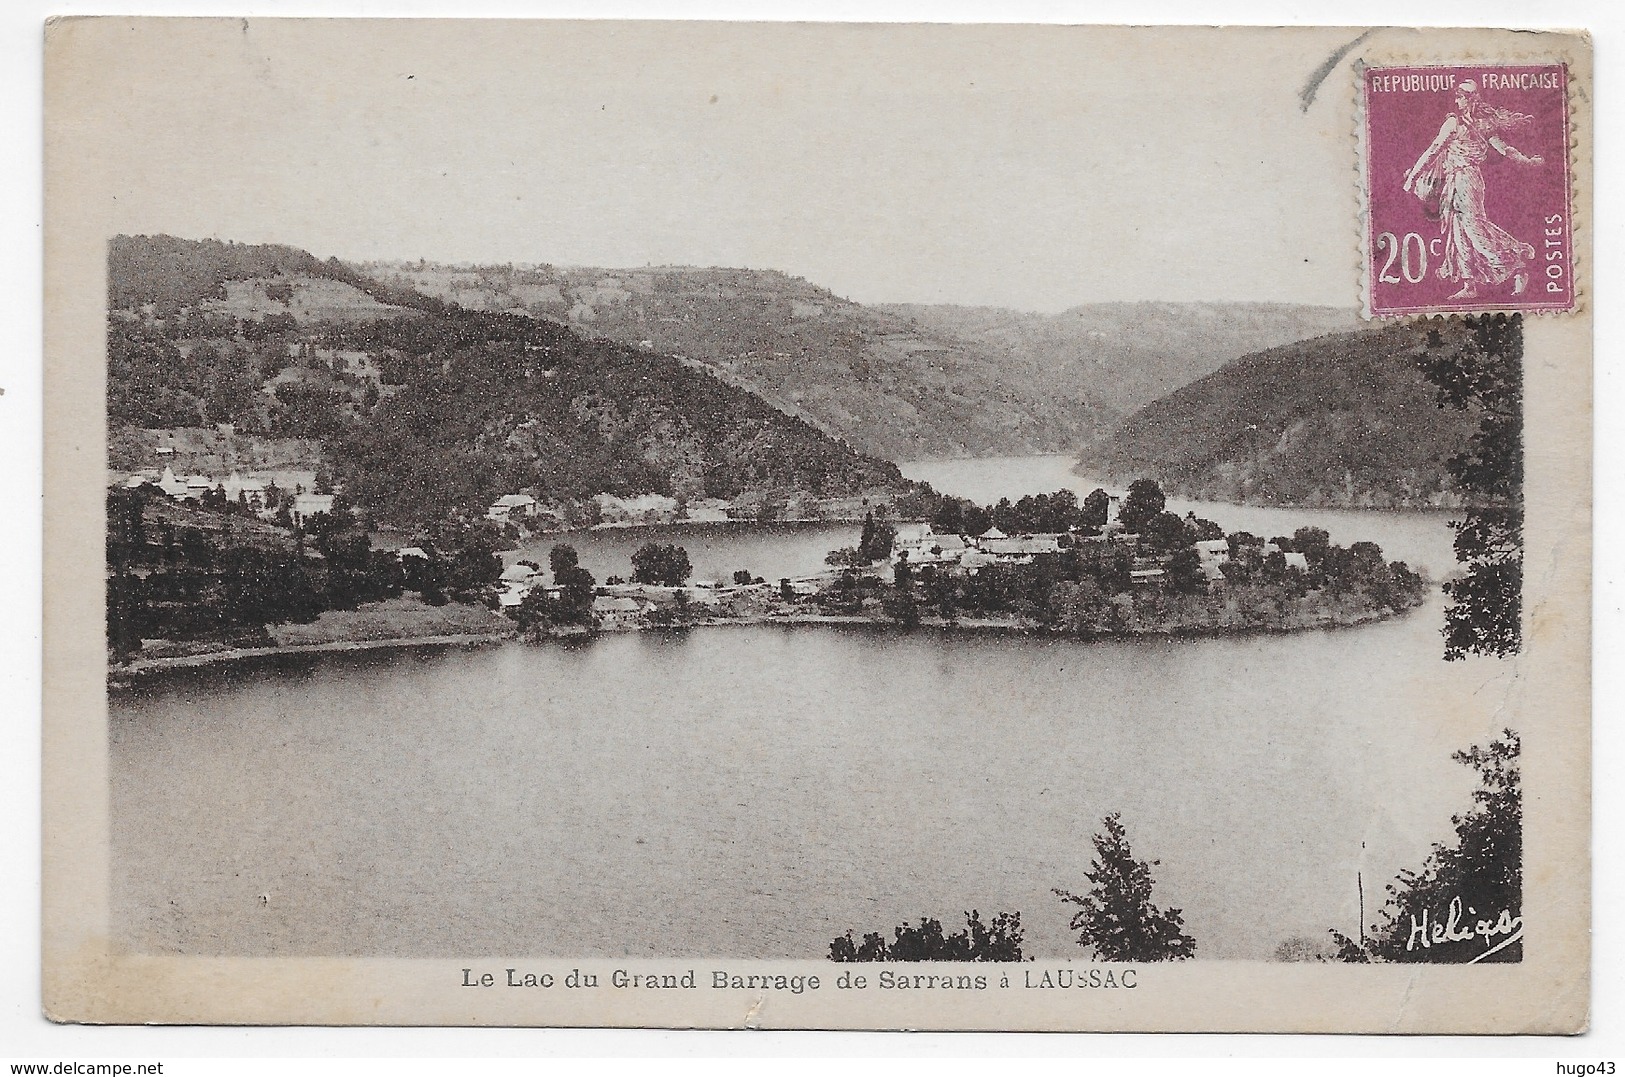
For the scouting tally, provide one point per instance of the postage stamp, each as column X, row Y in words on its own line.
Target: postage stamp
column 1467, row 174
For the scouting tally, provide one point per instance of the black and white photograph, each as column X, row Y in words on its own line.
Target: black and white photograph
column 815, row 526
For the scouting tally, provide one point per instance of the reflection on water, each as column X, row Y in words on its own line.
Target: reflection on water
column 755, row 791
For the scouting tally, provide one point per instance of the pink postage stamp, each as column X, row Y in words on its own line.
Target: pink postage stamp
column 1467, row 181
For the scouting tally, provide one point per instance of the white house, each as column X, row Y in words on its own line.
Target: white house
column 1145, row 577
column 913, row 535
column 251, row 490
column 307, row 506
column 643, row 509
column 507, row 506
column 976, row 560
column 924, row 546
column 617, row 613
column 709, row 510
column 519, row 572
column 1021, row 549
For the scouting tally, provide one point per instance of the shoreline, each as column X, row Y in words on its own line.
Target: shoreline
column 122, row 676
column 145, row 666
column 1024, row 628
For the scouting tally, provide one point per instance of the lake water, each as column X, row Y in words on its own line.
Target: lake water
column 716, row 551
column 755, row 791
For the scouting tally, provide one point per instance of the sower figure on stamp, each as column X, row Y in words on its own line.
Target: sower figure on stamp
column 1476, row 250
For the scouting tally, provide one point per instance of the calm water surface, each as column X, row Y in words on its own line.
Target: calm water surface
column 716, row 551
column 754, row 791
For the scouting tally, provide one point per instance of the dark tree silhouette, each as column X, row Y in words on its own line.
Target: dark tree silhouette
column 876, row 541
column 562, row 558
column 661, row 564
column 999, row 941
column 1145, row 502
column 1485, row 376
column 1473, row 885
column 1096, row 507
column 1116, row 918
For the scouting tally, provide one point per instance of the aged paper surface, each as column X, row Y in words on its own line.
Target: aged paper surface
column 680, row 825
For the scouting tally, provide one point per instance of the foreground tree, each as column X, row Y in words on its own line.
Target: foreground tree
column 999, row 941
column 1116, row 918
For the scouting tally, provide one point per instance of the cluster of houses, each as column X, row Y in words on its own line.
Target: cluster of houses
column 649, row 510
column 616, row 605
column 920, row 545
column 257, row 490
column 641, row 511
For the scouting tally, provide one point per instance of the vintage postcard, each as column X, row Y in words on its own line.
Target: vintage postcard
column 817, row 526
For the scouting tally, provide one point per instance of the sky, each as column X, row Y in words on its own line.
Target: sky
column 1031, row 167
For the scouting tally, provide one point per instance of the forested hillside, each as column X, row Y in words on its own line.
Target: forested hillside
column 421, row 408
column 871, row 376
column 1345, row 420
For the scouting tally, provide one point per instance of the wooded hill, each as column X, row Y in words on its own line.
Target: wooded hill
column 899, row 381
column 423, row 408
column 875, row 377
column 1344, row 420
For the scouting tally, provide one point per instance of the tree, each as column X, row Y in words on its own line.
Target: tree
column 901, row 606
column 845, row 557
column 1312, row 542
column 876, row 541
column 577, row 589
column 1165, row 531
column 948, row 519
column 999, row 941
column 975, row 519
column 660, row 564
column 1095, row 508
column 903, row 572
column 1144, row 503
column 1185, row 572
column 1116, row 918
column 473, row 562
column 1486, row 375
column 1477, row 879
column 534, row 612
column 561, row 559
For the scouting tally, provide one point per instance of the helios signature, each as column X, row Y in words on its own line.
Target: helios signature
column 1496, row 934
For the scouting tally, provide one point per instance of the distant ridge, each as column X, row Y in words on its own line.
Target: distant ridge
column 899, row 381
column 1123, row 356
column 875, row 377
column 167, row 273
